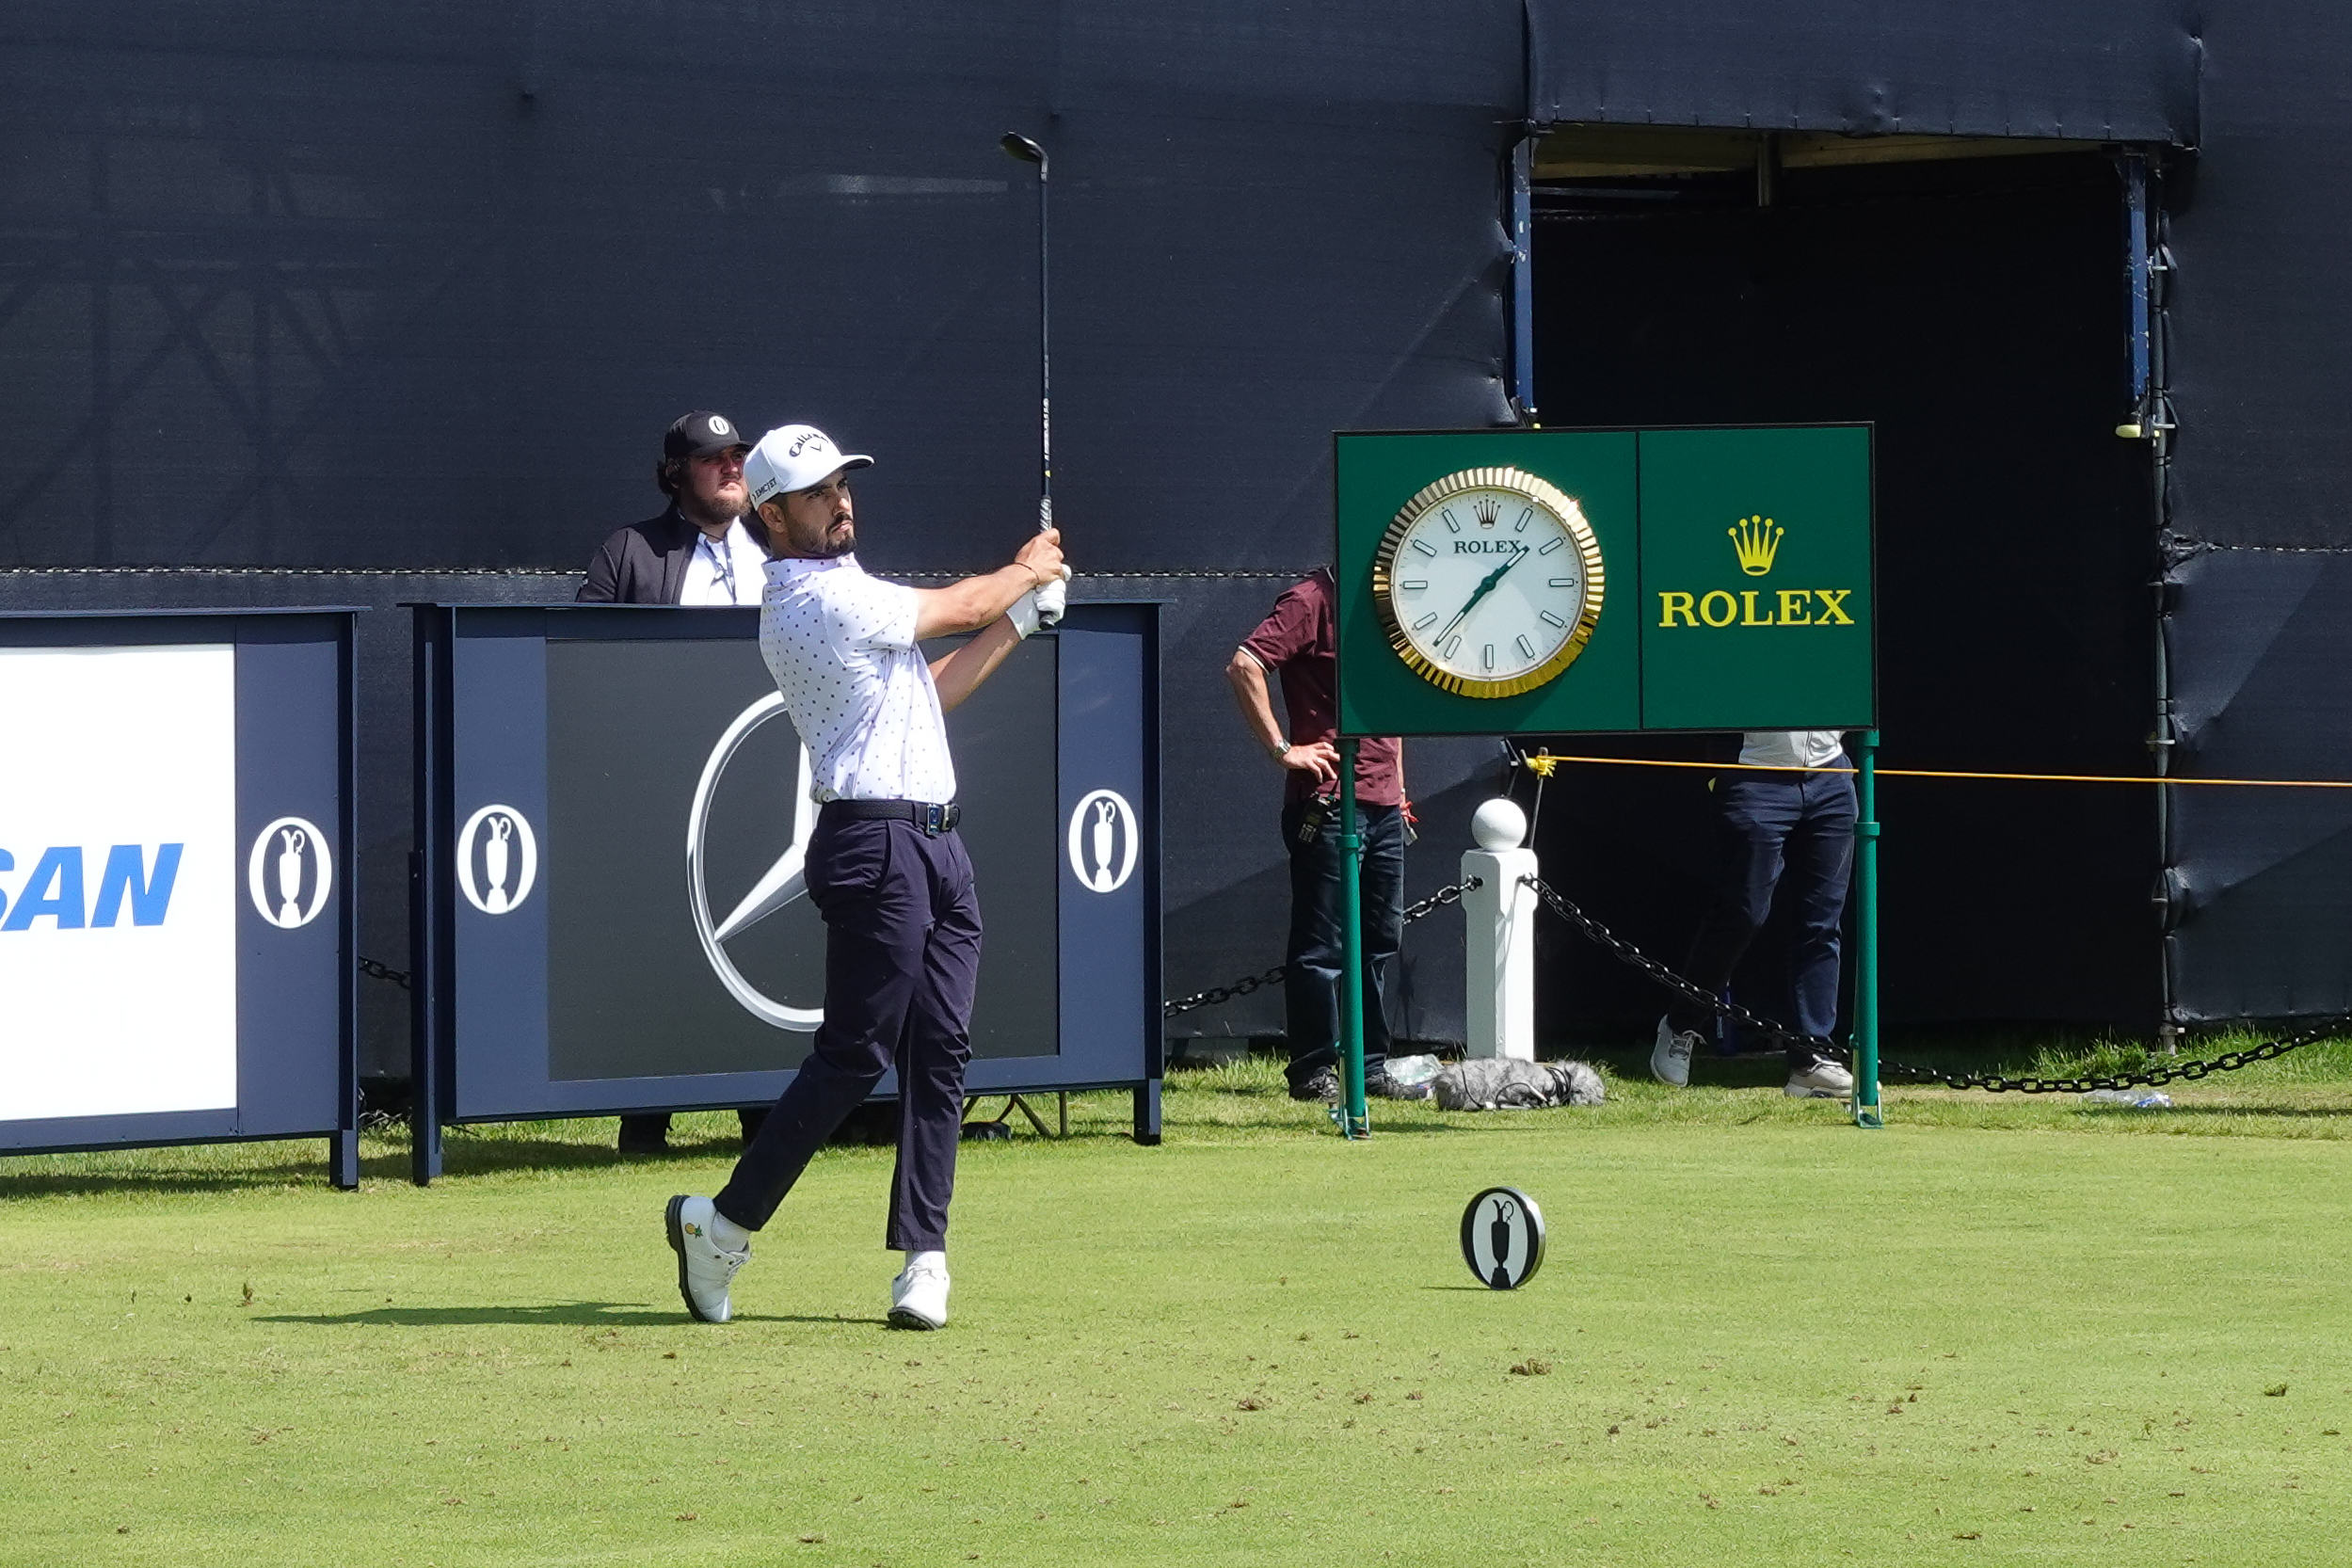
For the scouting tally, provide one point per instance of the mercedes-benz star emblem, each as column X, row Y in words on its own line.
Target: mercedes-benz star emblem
column 500, row 837
column 1103, row 842
column 782, row 882
column 289, row 858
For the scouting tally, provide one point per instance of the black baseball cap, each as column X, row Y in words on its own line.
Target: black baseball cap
column 699, row 434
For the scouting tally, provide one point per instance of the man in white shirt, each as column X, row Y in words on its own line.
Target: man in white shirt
column 702, row 550
column 1788, row 832
column 885, row 866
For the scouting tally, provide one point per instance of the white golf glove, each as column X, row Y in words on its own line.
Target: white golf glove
column 1053, row 599
column 1040, row 606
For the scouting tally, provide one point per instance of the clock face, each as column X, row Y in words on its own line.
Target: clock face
column 1488, row 582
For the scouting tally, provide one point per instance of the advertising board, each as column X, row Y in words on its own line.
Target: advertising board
column 175, row 910
column 1555, row 581
column 614, row 807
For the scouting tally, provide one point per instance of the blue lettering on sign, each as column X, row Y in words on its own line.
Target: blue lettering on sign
column 124, row 875
column 55, row 888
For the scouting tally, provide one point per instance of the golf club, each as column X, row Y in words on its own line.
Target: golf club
column 1050, row 599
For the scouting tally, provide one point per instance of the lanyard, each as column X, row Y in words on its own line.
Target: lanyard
column 723, row 561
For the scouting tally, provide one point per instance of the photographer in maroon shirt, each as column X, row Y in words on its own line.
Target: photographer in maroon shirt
column 1299, row 641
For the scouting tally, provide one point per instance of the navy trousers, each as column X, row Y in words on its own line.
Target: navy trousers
column 901, row 955
column 1787, row 836
column 1310, row 992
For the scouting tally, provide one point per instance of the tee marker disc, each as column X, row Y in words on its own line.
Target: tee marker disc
column 1502, row 1238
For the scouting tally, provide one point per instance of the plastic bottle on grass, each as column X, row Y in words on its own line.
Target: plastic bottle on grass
column 2129, row 1100
column 1410, row 1070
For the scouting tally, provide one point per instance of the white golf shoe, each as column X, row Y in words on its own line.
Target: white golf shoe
column 705, row 1269
column 1669, row 1057
column 918, row 1296
column 1824, row 1080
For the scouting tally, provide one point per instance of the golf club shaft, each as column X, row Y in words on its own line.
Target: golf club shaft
column 1045, row 363
column 1022, row 148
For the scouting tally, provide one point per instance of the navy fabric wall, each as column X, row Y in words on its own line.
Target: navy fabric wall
column 419, row 285
column 2261, row 630
column 2091, row 69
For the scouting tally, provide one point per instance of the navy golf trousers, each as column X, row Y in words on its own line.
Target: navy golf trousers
column 901, row 955
column 1787, row 836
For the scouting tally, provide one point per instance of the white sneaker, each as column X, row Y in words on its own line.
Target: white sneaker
column 1824, row 1080
column 1670, row 1058
column 919, row 1297
column 705, row 1269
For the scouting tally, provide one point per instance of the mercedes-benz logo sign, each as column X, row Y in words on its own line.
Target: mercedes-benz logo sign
column 783, row 882
column 1103, row 842
column 289, row 860
column 499, row 838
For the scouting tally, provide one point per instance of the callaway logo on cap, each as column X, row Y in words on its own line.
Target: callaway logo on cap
column 792, row 458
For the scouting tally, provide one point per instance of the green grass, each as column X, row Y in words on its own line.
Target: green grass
column 1999, row 1330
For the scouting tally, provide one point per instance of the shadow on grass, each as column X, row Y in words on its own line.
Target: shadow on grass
column 553, row 1314
column 162, row 1184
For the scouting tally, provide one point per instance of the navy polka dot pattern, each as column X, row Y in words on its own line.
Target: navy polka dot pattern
column 841, row 646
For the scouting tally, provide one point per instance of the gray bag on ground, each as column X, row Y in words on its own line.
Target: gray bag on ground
column 1505, row 1084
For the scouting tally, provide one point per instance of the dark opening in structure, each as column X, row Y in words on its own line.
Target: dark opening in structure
column 1973, row 304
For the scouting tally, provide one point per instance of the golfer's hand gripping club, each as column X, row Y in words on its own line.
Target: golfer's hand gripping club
column 1042, row 605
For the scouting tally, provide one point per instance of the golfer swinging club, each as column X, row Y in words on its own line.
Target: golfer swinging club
column 884, row 867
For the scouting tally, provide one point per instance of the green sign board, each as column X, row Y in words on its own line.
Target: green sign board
column 1547, row 582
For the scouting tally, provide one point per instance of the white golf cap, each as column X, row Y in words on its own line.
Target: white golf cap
column 792, row 458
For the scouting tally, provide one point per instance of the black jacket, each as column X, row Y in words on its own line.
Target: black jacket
column 642, row 563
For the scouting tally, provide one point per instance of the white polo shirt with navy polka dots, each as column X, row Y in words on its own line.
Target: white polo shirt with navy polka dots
column 841, row 646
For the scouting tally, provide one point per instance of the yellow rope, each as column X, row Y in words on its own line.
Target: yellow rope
column 1549, row 762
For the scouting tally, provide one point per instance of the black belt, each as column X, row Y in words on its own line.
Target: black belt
column 933, row 820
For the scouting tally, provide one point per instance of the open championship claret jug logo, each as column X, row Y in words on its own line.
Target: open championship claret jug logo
column 784, row 881
column 498, row 860
column 1103, row 842
column 289, row 872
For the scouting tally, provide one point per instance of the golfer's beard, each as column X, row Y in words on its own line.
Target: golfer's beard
column 827, row 548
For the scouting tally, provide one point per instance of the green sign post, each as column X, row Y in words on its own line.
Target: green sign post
column 1562, row 582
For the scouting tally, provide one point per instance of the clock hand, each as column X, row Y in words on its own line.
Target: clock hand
column 1484, row 588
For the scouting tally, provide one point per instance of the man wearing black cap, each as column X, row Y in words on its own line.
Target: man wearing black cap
column 698, row 551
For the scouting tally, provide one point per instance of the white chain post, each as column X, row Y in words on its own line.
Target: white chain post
column 1499, row 935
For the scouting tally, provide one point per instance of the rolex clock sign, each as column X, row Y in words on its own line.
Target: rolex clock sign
column 1439, row 582
column 1497, row 582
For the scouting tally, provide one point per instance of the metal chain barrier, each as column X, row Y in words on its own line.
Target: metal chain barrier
column 2228, row 1061
column 1247, row 984
column 375, row 971
column 1634, row 958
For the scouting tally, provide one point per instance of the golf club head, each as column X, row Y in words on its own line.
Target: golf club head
column 1020, row 147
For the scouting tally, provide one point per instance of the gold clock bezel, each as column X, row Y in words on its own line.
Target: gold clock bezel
column 1542, row 493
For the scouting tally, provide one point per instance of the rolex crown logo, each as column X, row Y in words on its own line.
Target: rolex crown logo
column 1757, row 540
column 1488, row 509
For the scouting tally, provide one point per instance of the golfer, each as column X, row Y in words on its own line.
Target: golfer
column 884, row 867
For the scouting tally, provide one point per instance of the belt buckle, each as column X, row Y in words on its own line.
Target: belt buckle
column 933, row 820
